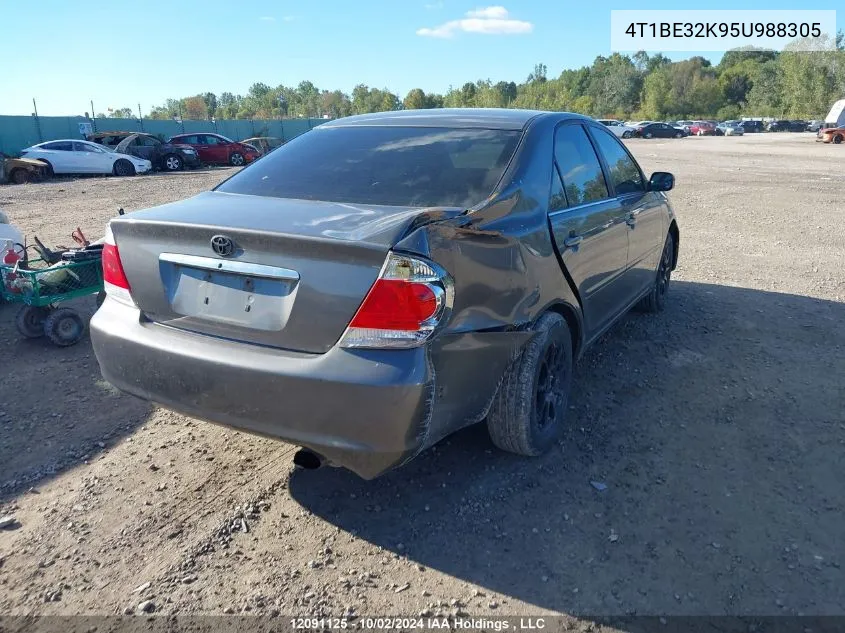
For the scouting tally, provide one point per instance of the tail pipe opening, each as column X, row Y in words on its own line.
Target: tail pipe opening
column 308, row 460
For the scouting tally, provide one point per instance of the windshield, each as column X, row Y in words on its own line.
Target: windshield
column 395, row 166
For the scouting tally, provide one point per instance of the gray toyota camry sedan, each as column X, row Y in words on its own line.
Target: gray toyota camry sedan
column 384, row 280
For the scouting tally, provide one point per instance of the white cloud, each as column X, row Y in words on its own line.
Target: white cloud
column 493, row 20
column 267, row 18
column 498, row 13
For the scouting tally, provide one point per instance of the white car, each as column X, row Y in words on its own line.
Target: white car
column 83, row 157
column 617, row 127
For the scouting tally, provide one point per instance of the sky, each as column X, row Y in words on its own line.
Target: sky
column 121, row 54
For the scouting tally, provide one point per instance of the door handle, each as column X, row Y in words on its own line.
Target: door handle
column 572, row 241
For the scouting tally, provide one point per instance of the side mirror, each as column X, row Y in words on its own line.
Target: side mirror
column 661, row 181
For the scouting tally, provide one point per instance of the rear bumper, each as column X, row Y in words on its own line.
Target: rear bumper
column 366, row 410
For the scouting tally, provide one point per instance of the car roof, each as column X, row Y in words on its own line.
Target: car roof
column 489, row 118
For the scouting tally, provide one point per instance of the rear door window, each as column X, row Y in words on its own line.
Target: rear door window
column 383, row 165
column 624, row 174
column 62, row 146
column 579, row 166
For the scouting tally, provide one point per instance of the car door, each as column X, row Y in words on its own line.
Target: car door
column 88, row 159
column 218, row 148
column 644, row 212
column 589, row 227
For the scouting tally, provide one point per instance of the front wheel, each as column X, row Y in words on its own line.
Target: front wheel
column 64, row 327
column 237, row 159
column 19, row 176
column 678, row 135
column 530, row 407
column 626, row 134
column 655, row 300
column 647, row 135
column 837, row 139
column 124, row 168
column 173, row 163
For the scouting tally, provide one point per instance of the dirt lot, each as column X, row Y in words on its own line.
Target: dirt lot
column 718, row 428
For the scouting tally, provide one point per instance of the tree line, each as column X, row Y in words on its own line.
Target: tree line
column 792, row 83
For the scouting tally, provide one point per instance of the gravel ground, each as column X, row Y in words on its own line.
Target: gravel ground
column 717, row 428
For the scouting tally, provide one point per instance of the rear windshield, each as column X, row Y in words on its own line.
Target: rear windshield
column 397, row 166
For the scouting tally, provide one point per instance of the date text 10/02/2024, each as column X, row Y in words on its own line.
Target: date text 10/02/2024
column 431, row 623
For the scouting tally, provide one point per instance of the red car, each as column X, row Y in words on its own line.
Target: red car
column 702, row 128
column 217, row 149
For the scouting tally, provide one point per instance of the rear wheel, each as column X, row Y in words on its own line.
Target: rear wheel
column 173, row 163
column 528, row 413
column 123, row 167
column 655, row 300
column 838, row 139
column 236, row 159
column 48, row 168
column 30, row 321
column 64, row 327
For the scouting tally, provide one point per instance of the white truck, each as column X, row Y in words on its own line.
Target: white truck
column 834, row 118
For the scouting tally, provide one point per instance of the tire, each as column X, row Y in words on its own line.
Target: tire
column 655, row 300
column 626, row 134
column 837, row 139
column 647, row 135
column 528, row 413
column 678, row 135
column 64, row 327
column 30, row 321
column 236, row 159
column 123, row 167
column 19, row 176
column 172, row 162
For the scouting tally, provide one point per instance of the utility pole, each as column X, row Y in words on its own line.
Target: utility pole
column 140, row 117
column 37, row 122
column 93, row 116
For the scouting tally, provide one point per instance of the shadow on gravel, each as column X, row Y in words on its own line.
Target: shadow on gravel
column 717, row 428
column 55, row 409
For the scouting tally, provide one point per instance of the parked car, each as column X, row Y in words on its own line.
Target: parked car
column 21, row 170
column 684, row 125
column 217, row 149
column 834, row 135
column 617, row 127
column 681, row 128
column 163, row 156
column 378, row 287
column 702, row 128
column 814, row 125
column 83, row 157
column 264, row 144
column 730, row 128
column 753, row 126
column 784, row 125
column 659, row 130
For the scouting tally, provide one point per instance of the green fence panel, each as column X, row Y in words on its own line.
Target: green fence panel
column 20, row 132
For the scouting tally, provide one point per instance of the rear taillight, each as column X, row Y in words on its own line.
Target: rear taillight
column 409, row 301
column 114, row 278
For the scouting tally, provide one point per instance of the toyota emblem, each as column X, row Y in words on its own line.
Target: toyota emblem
column 222, row 245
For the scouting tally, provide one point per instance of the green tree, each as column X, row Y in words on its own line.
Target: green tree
column 415, row 100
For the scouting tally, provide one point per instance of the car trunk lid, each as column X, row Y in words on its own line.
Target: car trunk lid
column 297, row 273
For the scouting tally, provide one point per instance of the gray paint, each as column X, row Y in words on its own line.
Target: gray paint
column 373, row 410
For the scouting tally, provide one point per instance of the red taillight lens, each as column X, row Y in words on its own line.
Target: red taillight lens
column 112, row 268
column 395, row 304
column 409, row 301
